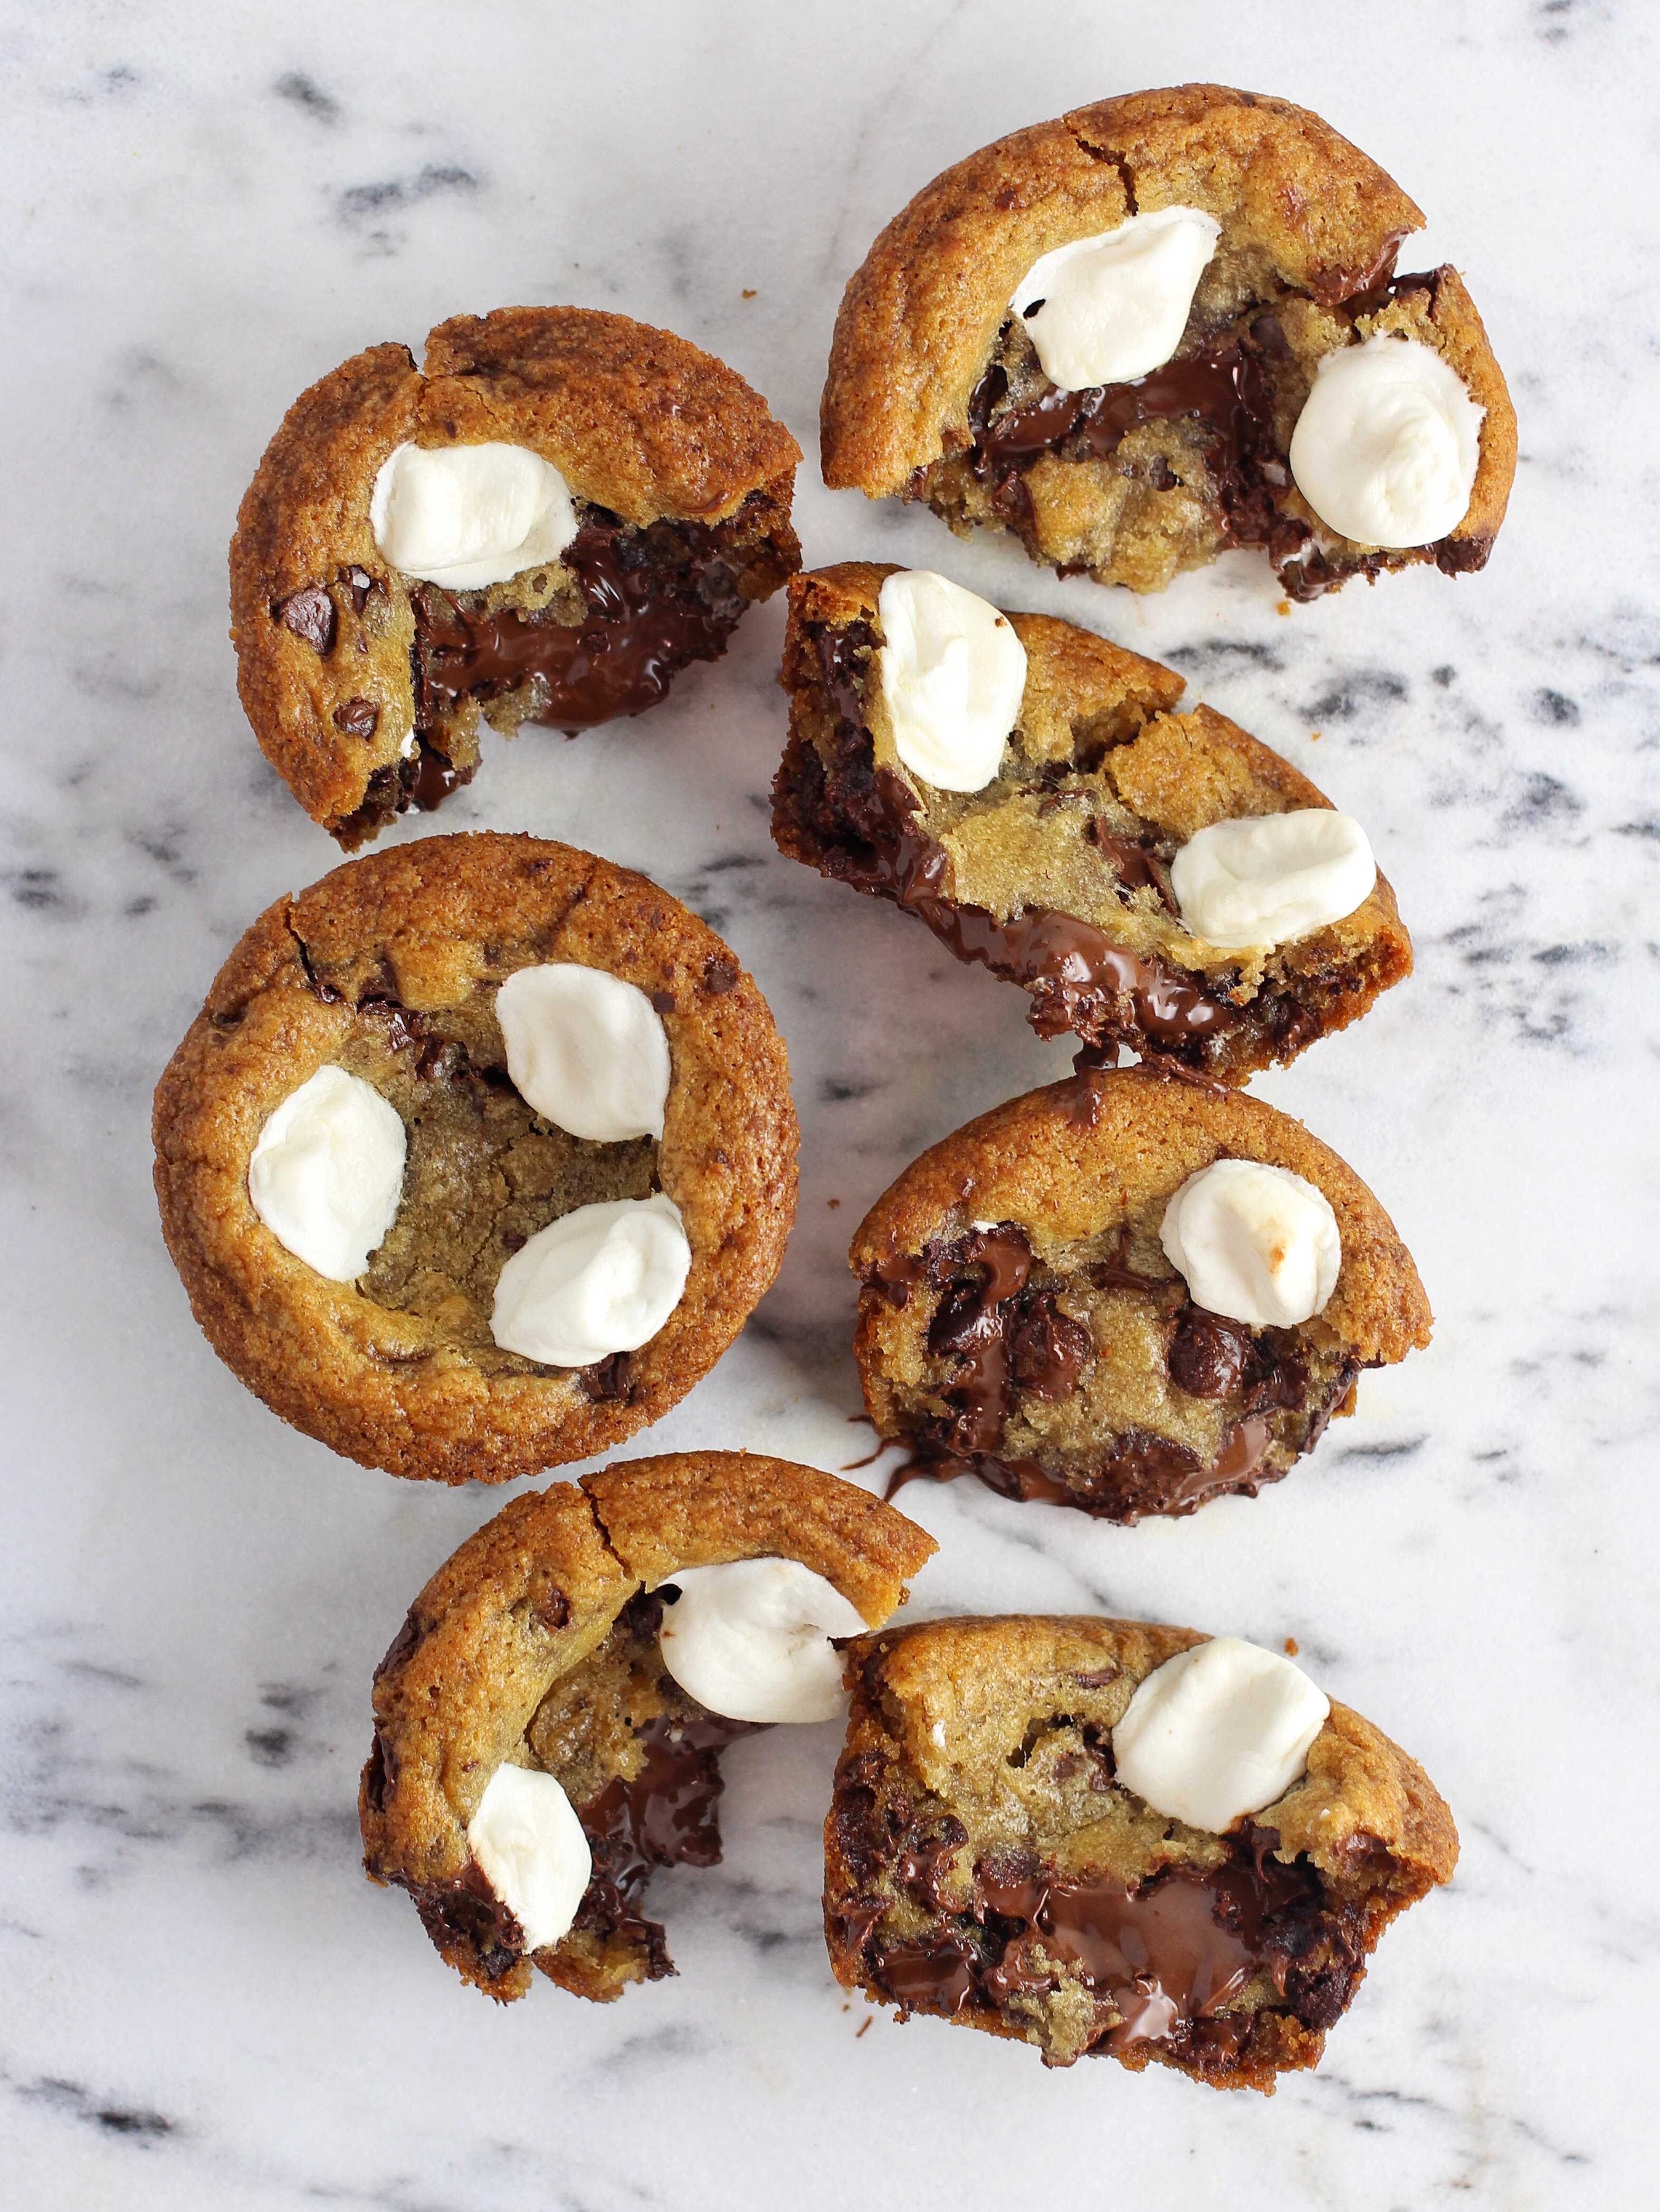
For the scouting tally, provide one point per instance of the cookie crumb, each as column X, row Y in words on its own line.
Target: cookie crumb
column 832, row 1203
column 748, row 295
column 1290, row 1647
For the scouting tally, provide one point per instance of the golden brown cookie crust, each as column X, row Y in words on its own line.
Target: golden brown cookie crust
column 947, row 1710
column 1084, row 1170
column 638, row 421
column 430, row 927
column 534, row 1592
column 1302, row 210
column 1103, row 721
column 919, row 317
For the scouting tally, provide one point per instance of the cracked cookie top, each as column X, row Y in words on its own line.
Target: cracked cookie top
column 364, row 684
column 388, row 969
column 935, row 392
column 536, row 1645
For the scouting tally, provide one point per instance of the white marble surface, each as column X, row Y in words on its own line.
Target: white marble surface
column 205, row 2005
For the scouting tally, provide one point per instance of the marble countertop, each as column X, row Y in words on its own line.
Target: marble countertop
column 205, row 2004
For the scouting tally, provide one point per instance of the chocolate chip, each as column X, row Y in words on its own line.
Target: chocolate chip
column 663, row 1002
column 608, row 1379
column 357, row 717
column 309, row 614
column 720, row 975
column 553, row 1607
column 359, row 582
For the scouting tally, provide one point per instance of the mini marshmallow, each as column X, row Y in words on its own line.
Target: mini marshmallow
column 1271, row 878
column 952, row 674
column 587, row 1049
column 751, row 1640
column 1256, row 1244
column 532, row 1851
column 1107, row 309
column 327, row 1172
column 463, row 517
column 1386, row 447
column 1217, row 1732
column 602, row 1279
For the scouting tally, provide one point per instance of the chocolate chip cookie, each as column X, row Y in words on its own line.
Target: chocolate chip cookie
column 536, row 1646
column 984, row 1861
column 364, row 681
column 937, row 391
column 384, row 980
column 1057, row 873
column 1022, row 1318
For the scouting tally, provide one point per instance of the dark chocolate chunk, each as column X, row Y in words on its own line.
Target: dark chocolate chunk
column 309, row 614
column 359, row 718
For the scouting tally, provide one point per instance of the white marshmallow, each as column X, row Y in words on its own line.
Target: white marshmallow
column 327, row 1173
column 952, row 672
column 1256, row 1244
column 1217, row 1732
column 587, row 1049
column 751, row 1640
column 1386, row 447
column 1107, row 309
column 1270, row 879
column 462, row 517
column 531, row 1849
column 602, row 1279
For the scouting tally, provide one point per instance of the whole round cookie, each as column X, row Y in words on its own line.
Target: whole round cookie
column 1005, row 1851
column 349, row 1093
column 1057, row 859
column 539, row 1649
column 1104, row 334
column 544, row 523
column 1031, row 1314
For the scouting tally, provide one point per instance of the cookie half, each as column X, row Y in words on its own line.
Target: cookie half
column 985, row 1862
column 536, row 1647
column 1056, row 873
column 645, row 486
column 1021, row 1318
column 384, row 980
column 937, row 390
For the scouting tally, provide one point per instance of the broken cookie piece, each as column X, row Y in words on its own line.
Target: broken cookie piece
column 478, row 1156
column 1129, row 1292
column 557, row 512
column 537, row 1752
column 1027, row 789
column 1004, row 1852
column 1165, row 326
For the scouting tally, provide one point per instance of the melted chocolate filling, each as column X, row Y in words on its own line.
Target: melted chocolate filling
column 665, row 1816
column 1168, row 1955
column 1228, row 387
column 1078, row 978
column 656, row 600
column 1009, row 1336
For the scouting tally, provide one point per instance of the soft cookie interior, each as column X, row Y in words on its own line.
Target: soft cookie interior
column 537, row 1646
column 936, row 392
column 366, row 684
column 1057, row 873
column 1020, row 1319
column 984, row 1864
